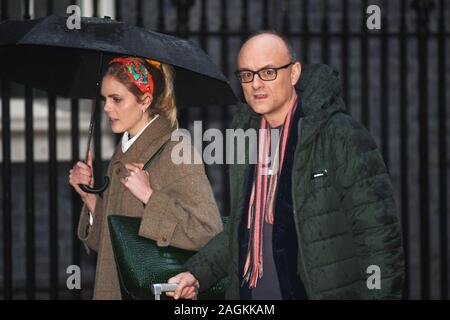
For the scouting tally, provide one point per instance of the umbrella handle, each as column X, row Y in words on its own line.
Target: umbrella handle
column 105, row 185
column 98, row 190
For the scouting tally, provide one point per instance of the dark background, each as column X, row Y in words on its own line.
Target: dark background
column 395, row 82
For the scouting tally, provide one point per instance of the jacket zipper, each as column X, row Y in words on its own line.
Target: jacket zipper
column 305, row 274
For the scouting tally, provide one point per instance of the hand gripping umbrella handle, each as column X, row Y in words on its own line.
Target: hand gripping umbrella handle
column 105, row 185
column 95, row 190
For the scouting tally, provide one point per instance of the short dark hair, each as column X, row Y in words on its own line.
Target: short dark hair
column 293, row 55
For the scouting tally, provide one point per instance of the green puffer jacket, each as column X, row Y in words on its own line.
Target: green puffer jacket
column 346, row 220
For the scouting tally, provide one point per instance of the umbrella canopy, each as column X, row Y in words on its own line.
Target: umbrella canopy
column 45, row 54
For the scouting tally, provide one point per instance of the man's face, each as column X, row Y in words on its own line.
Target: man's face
column 268, row 98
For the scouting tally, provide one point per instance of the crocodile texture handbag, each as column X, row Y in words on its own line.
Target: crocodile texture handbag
column 141, row 263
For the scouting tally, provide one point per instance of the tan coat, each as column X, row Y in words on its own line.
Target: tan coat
column 181, row 212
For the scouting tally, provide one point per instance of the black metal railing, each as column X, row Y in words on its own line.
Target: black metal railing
column 6, row 185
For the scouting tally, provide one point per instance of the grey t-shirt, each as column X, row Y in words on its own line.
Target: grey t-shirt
column 268, row 287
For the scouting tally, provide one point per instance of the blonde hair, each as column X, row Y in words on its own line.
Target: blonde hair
column 164, row 102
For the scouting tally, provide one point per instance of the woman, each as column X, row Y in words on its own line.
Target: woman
column 175, row 202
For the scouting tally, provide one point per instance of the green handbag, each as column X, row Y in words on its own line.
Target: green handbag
column 141, row 263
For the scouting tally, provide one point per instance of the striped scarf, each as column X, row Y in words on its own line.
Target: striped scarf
column 265, row 185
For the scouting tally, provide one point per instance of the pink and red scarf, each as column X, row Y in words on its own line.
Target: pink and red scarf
column 264, row 189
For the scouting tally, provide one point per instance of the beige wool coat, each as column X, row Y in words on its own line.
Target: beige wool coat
column 181, row 211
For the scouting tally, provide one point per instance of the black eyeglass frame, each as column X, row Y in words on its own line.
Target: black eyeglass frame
column 238, row 76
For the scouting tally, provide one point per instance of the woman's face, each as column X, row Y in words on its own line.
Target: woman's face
column 124, row 111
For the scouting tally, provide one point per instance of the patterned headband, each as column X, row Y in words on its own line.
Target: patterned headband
column 137, row 72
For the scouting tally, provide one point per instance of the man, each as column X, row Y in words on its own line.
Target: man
column 322, row 226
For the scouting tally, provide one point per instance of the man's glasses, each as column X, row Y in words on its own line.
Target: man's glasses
column 265, row 74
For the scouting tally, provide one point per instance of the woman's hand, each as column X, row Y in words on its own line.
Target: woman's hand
column 137, row 181
column 81, row 173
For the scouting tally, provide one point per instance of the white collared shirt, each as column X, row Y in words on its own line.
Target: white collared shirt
column 127, row 142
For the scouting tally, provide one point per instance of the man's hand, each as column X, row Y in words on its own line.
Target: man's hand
column 187, row 286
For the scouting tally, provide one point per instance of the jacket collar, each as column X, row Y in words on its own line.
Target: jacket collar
column 147, row 143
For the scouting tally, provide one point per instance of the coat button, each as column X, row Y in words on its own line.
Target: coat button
column 117, row 170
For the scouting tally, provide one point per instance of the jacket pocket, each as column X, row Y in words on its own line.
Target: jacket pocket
column 319, row 179
column 319, row 174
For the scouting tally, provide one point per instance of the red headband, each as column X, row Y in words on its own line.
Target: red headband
column 137, row 72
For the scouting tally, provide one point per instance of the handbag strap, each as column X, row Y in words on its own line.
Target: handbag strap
column 155, row 155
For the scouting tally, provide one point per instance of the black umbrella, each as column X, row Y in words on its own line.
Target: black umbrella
column 45, row 54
